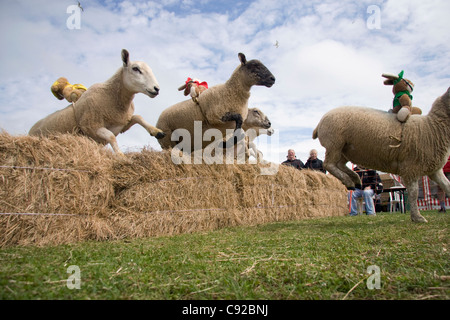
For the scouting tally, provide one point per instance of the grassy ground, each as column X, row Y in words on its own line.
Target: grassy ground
column 312, row 259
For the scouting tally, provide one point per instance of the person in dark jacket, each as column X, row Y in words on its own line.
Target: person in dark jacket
column 293, row 161
column 371, row 184
column 313, row 162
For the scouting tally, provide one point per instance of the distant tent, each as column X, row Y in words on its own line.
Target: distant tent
column 427, row 199
column 428, row 195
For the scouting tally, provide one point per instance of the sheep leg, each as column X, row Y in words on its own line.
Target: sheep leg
column 331, row 164
column 413, row 192
column 109, row 137
column 155, row 132
column 440, row 178
column 238, row 132
column 352, row 174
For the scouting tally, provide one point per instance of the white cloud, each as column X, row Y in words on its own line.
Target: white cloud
column 326, row 57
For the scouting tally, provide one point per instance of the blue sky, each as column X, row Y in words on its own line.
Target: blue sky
column 329, row 55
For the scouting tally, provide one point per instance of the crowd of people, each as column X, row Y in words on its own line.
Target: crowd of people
column 371, row 185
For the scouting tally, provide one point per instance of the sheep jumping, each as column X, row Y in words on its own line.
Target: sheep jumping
column 106, row 109
column 363, row 136
column 217, row 106
column 256, row 120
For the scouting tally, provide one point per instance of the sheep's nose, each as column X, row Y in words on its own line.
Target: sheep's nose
column 269, row 123
column 156, row 89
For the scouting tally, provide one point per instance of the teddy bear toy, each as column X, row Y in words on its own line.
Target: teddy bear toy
column 402, row 89
column 193, row 87
column 61, row 89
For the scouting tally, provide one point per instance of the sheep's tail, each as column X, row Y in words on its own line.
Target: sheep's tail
column 315, row 133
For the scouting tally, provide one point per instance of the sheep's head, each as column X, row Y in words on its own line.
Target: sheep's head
column 256, row 72
column 256, row 119
column 138, row 76
column 442, row 104
column 446, row 100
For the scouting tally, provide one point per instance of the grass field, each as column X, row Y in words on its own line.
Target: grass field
column 325, row 258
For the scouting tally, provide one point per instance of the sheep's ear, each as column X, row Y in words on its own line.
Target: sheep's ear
column 242, row 58
column 182, row 87
column 388, row 82
column 125, row 57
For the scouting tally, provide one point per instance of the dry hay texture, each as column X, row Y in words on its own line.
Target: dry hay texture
column 66, row 189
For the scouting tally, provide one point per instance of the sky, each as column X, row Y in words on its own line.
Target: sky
column 329, row 54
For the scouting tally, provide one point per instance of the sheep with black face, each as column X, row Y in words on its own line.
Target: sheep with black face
column 223, row 106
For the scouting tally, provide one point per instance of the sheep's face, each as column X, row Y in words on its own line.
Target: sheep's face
column 139, row 77
column 257, row 119
column 258, row 73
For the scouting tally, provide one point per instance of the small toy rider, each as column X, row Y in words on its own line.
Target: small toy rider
column 402, row 89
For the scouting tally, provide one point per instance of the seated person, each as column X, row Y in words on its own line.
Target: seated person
column 371, row 184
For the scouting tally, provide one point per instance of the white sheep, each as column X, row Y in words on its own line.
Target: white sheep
column 364, row 136
column 217, row 106
column 256, row 120
column 253, row 150
column 106, row 109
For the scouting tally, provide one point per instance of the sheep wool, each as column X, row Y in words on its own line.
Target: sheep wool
column 375, row 139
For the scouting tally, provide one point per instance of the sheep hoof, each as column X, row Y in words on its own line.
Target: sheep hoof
column 418, row 218
column 160, row 135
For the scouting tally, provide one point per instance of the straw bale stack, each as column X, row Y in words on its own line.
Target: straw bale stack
column 61, row 174
column 68, row 188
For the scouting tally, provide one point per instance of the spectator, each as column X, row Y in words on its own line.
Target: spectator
column 441, row 193
column 313, row 162
column 293, row 161
column 371, row 184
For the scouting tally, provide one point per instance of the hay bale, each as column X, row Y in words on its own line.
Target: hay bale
column 87, row 193
column 62, row 174
column 150, row 182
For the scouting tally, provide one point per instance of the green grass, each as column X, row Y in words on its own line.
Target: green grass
column 309, row 259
